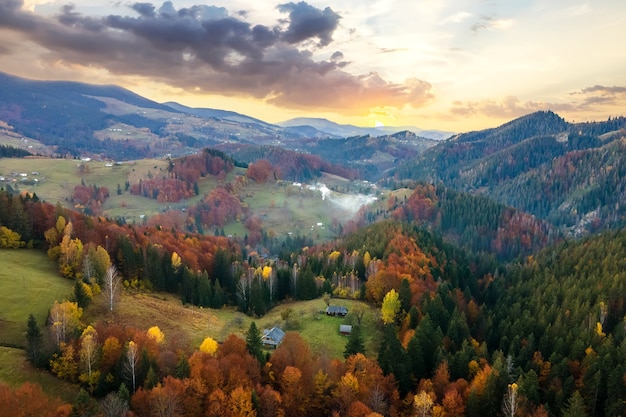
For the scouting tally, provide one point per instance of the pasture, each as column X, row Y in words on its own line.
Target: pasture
column 29, row 283
column 190, row 325
column 15, row 370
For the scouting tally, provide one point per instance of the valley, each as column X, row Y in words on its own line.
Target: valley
column 154, row 243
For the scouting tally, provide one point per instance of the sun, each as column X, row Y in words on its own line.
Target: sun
column 378, row 123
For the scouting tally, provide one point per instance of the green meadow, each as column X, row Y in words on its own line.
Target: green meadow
column 29, row 283
column 190, row 325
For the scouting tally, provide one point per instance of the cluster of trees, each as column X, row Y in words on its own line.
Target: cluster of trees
column 218, row 207
column 89, row 198
column 184, row 173
column 289, row 165
column 164, row 189
column 208, row 162
column 11, row 152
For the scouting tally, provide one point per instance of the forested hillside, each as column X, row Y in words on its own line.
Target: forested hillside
column 567, row 174
column 474, row 222
column 463, row 333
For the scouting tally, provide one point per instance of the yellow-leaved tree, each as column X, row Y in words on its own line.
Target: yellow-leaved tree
column 64, row 318
column 10, row 239
column 422, row 403
column 89, row 355
column 176, row 261
column 156, row 334
column 209, row 346
column 367, row 258
column 267, row 272
column 390, row 307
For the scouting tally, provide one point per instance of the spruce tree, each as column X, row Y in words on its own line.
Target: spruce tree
column 182, row 370
column 254, row 344
column 355, row 343
column 405, row 295
column 80, row 295
column 34, row 340
column 84, row 405
column 575, row 406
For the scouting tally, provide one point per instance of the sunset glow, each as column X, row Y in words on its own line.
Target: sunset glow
column 450, row 65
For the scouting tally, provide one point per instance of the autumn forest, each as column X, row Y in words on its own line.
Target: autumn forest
column 481, row 308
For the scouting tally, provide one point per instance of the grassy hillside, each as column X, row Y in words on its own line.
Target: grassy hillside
column 190, row 325
column 16, row 370
column 29, row 283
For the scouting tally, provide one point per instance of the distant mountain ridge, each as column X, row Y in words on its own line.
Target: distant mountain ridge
column 345, row 130
column 78, row 119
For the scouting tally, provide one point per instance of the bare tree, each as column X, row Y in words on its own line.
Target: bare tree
column 510, row 403
column 89, row 269
column 111, row 281
column 132, row 359
column 114, row 406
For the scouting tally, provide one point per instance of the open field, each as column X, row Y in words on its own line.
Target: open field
column 282, row 207
column 191, row 325
column 54, row 179
column 16, row 370
column 29, row 283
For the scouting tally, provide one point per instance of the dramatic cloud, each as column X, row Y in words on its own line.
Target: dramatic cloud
column 207, row 50
column 306, row 21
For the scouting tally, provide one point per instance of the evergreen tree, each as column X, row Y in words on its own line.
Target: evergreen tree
column 257, row 300
column 405, row 295
column 34, row 340
column 393, row 359
column 84, row 405
column 152, row 379
column 217, row 301
column 80, row 295
column 355, row 343
column 575, row 406
column 123, row 393
column 182, row 369
column 254, row 343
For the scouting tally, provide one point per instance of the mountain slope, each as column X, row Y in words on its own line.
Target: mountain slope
column 555, row 170
column 217, row 114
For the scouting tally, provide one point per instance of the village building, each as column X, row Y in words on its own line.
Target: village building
column 345, row 329
column 272, row 337
column 336, row 311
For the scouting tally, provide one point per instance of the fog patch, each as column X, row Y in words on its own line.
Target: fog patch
column 349, row 203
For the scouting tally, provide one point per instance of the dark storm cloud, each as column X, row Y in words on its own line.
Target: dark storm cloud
column 144, row 9
column 306, row 22
column 206, row 49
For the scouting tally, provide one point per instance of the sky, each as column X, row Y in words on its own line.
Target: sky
column 453, row 65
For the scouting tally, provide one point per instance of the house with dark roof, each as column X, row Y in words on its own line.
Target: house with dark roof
column 336, row 311
column 272, row 337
